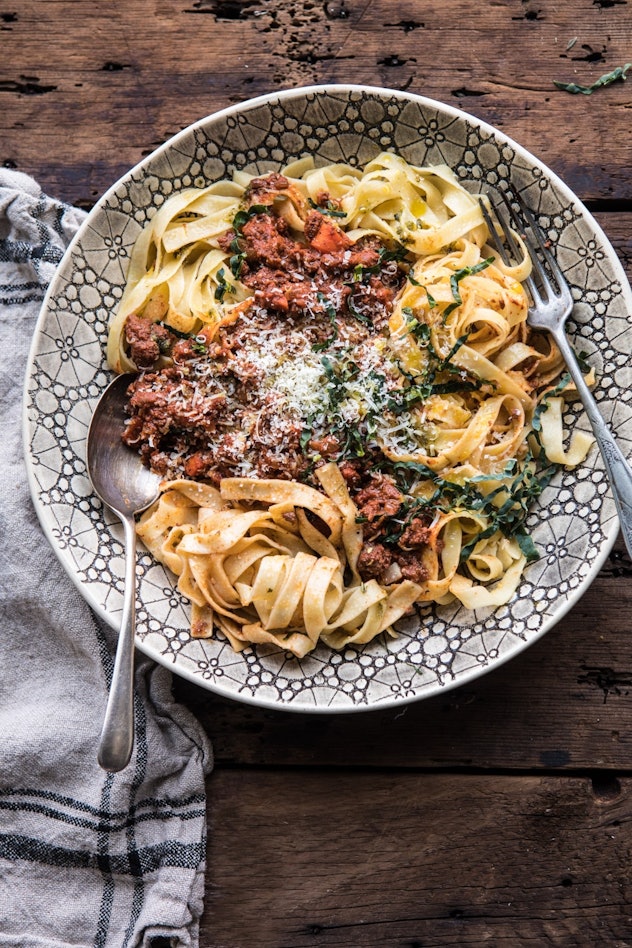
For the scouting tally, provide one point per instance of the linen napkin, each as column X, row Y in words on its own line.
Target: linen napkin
column 87, row 858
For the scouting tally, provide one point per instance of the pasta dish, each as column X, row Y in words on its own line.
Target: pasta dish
column 337, row 382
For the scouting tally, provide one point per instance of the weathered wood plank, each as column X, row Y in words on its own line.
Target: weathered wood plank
column 87, row 90
column 347, row 859
column 563, row 704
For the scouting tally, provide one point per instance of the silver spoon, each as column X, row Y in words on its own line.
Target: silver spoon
column 127, row 487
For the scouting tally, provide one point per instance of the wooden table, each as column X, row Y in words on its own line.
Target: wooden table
column 499, row 813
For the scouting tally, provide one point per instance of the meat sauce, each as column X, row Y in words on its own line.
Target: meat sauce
column 200, row 416
column 210, row 411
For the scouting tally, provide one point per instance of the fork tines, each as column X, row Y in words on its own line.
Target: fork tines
column 513, row 217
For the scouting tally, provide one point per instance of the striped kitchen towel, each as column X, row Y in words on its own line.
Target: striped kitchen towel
column 87, row 858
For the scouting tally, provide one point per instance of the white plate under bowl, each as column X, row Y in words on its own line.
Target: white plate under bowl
column 574, row 524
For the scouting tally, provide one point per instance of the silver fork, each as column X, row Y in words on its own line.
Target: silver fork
column 551, row 304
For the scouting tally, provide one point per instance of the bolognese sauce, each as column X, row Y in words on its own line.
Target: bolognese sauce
column 342, row 353
column 245, row 398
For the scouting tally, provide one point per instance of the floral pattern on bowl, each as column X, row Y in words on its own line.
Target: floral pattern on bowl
column 574, row 524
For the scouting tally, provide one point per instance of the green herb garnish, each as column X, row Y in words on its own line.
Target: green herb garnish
column 456, row 278
column 361, row 317
column 385, row 255
column 242, row 216
column 506, row 506
column 422, row 387
column 609, row 77
column 176, row 332
column 329, row 209
column 223, row 287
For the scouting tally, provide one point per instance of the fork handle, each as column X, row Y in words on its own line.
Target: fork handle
column 617, row 467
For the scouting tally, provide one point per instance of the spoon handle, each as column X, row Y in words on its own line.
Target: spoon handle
column 117, row 735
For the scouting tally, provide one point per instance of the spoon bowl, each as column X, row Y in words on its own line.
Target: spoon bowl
column 127, row 487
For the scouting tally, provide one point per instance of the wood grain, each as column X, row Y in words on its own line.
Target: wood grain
column 88, row 89
column 385, row 860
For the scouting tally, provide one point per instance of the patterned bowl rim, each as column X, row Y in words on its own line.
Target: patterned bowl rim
column 437, row 687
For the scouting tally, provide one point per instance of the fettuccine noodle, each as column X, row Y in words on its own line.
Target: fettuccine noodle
column 338, row 383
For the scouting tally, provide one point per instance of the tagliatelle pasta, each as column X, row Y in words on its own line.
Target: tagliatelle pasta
column 266, row 574
column 336, row 379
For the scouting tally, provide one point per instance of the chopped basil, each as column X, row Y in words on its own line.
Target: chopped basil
column 176, row 332
column 361, row 317
column 329, row 209
column 428, row 384
column 223, row 287
column 236, row 263
column 242, row 216
column 385, row 255
column 536, row 422
column 456, row 278
column 508, row 517
column 306, row 437
column 357, row 273
column 619, row 73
